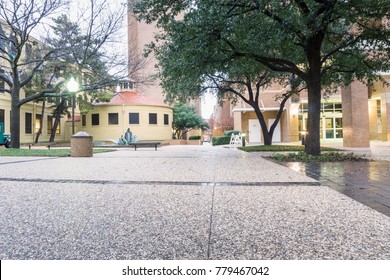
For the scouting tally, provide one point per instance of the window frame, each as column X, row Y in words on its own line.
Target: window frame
column 28, row 124
column 166, row 119
column 130, row 118
column 93, row 119
column 115, row 115
column 153, row 118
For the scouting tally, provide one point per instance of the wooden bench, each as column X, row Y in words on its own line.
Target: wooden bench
column 145, row 144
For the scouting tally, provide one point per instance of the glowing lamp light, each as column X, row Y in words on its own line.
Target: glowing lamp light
column 72, row 85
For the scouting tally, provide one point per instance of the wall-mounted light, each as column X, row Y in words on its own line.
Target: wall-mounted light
column 294, row 111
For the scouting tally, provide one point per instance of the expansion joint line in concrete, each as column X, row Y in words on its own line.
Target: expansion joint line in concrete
column 211, row 223
column 177, row 183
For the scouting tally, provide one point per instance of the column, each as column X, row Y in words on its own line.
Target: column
column 356, row 132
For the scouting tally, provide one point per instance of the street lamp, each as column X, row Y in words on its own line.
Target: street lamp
column 73, row 87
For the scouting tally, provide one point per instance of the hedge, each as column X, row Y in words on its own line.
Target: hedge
column 222, row 140
column 229, row 133
column 195, row 137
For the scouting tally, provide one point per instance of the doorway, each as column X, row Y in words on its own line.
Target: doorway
column 254, row 131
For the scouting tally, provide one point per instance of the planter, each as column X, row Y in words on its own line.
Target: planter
column 194, row 142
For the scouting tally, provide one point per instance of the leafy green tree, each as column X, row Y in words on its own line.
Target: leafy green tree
column 186, row 119
column 322, row 43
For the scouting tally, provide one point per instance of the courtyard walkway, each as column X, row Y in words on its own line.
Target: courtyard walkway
column 180, row 202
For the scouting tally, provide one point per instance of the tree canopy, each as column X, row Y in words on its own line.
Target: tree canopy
column 321, row 43
column 186, row 119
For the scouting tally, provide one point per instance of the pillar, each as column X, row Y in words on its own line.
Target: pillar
column 356, row 132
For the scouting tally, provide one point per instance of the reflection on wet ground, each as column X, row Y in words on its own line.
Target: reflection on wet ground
column 366, row 182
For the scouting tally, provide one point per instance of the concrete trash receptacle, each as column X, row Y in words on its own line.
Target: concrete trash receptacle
column 81, row 145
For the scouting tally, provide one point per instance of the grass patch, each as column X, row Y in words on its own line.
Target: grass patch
column 279, row 148
column 43, row 152
column 325, row 157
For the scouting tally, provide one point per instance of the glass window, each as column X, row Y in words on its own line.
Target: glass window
column 339, row 133
column 339, row 122
column 113, row 118
column 2, row 83
column 303, row 107
column 28, row 123
column 95, row 119
column 338, row 107
column 166, row 119
column 37, row 122
column 133, row 118
column 50, row 123
column 329, row 123
column 329, row 134
column 83, row 120
column 152, row 118
column 2, row 113
column 328, row 107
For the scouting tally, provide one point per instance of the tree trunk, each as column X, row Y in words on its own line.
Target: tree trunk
column 266, row 134
column 312, row 143
column 57, row 119
column 15, row 118
column 40, row 121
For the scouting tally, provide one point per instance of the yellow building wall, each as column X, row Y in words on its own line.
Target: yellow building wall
column 144, row 130
column 34, row 109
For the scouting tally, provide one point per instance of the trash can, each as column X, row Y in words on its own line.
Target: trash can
column 81, row 145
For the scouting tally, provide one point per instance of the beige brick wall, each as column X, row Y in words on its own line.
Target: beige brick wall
column 355, row 116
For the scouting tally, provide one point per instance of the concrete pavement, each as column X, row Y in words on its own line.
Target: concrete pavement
column 180, row 202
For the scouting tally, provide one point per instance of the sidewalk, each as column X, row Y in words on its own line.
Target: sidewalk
column 180, row 202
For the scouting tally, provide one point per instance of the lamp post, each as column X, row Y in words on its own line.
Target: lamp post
column 73, row 87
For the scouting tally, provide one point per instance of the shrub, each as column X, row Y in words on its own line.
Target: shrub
column 220, row 140
column 279, row 148
column 195, row 137
column 324, row 157
column 228, row 133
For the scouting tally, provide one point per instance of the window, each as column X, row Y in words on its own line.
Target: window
column 50, row 123
column 95, row 119
column 28, row 51
column 166, row 119
column 113, row 118
column 37, row 122
column 152, row 118
column 133, row 118
column 127, row 85
column 2, row 115
column 2, row 123
column 83, row 120
column 28, row 123
column 2, row 83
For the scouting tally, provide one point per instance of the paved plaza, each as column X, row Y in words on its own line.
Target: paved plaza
column 180, row 202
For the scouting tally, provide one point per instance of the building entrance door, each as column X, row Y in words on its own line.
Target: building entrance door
column 277, row 135
column 254, row 131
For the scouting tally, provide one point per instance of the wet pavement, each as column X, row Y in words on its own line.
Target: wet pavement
column 366, row 182
column 179, row 202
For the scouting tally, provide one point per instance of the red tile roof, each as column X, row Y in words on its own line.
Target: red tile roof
column 132, row 98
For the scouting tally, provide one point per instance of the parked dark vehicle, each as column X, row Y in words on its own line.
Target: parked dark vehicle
column 5, row 139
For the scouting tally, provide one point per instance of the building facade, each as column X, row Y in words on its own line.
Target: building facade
column 354, row 115
column 146, row 117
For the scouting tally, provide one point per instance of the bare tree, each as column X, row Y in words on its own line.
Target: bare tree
column 78, row 49
column 19, row 18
